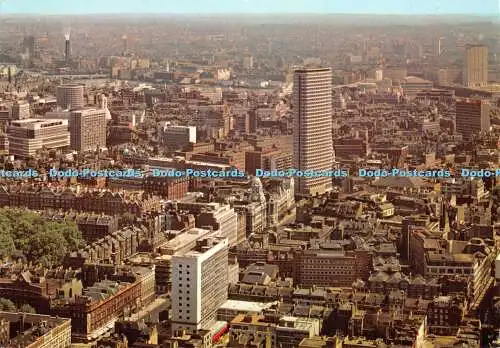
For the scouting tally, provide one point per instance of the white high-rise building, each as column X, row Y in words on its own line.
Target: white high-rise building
column 199, row 284
column 312, row 131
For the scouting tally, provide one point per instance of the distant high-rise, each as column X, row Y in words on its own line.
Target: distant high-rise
column 30, row 46
column 199, row 284
column 472, row 117
column 476, row 66
column 70, row 96
column 87, row 129
column 437, row 47
column 125, row 45
column 67, row 51
column 312, row 130
column 248, row 62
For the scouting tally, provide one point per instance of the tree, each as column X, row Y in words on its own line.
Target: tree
column 7, row 246
column 26, row 308
column 7, row 305
column 35, row 238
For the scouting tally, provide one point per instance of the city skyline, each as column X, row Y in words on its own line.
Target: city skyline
column 249, row 174
column 389, row 7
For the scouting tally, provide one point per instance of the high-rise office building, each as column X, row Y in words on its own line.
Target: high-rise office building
column 312, row 130
column 67, row 50
column 472, row 116
column 437, row 46
column 70, row 96
column 177, row 137
column 88, row 129
column 26, row 137
column 30, row 46
column 199, row 284
column 20, row 110
column 476, row 66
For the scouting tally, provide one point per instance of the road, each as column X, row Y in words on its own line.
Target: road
column 152, row 310
column 290, row 218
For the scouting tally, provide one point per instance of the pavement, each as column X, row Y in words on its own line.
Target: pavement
column 152, row 310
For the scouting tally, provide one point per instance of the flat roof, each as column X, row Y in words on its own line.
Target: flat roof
column 246, row 306
column 185, row 238
column 306, row 70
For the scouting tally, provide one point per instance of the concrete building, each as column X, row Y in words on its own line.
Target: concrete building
column 412, row 85
column 199, row 284
column 70, row 96
column 26, row 137
column 30, row 46
column 476, row 66
column 280, row 331
column 218, row 217
column 327, row 264
column 20, row 110
column 313, row 145
column 248, row 62
column 177, row 137
column 87, row 129
column 472, row 116
column 67, row 50
column 101, row 305
column 34, row 330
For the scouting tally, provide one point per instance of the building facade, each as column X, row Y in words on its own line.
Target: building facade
column 199, row 284
column 28, row 136
column 312, row 145
column 472, row 117
column 70, row 96
column 34, row 331
column 20, row 111
column 88, row 129
column 476, row 66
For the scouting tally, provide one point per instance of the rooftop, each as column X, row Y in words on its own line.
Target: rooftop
column 246, row 306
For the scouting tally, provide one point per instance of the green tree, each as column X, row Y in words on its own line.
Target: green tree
column 47, row 247
column 26, row 308
column 25, row 233
column 7, row 305
column 7, row 246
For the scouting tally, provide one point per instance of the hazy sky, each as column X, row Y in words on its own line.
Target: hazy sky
column 477, row 7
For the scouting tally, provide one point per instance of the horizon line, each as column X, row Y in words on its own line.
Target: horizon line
column 487, row 15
